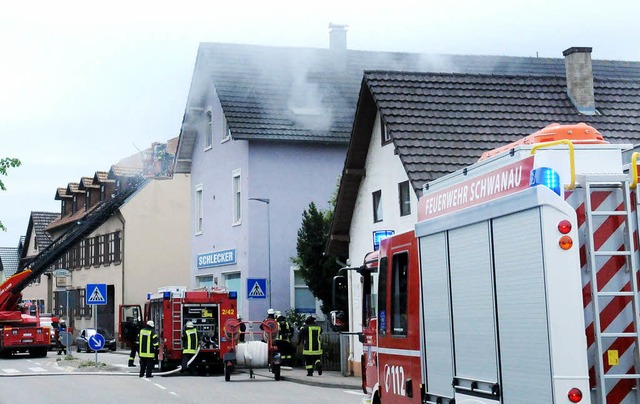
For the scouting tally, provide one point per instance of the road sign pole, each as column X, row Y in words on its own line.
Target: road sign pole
column 96, row 328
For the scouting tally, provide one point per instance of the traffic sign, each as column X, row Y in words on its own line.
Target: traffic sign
column 96, row 342
column 256, row 288
column 96, row 293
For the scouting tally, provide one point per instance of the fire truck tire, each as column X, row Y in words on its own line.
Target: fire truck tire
column 376, row 398
column 276, row 372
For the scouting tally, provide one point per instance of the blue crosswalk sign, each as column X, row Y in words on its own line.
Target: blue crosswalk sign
column 256, row 288
column 96, row 293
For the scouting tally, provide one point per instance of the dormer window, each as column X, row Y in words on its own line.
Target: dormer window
column 102, row 191
column 87, row 201
column 74, row 205
column 63, row 204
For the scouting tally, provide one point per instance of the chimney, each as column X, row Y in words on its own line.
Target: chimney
column 338, row 37
column 577, row 62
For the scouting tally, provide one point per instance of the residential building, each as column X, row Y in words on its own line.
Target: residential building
column 413, row 127
column 36, row 240
column 9, row 259
column 133, row 249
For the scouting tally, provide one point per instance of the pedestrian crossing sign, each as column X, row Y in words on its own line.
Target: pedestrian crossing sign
column 256, row 288
column 96, row 293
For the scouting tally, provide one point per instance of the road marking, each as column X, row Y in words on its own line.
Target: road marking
column 38, row 370
column 11, row 370
column 357, row 393
column 120, row 365
column 175, row 394
column 160, row 386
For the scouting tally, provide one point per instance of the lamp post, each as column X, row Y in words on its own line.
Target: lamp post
column 266, row 201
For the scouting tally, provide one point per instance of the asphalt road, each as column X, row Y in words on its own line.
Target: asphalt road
column 33, row 381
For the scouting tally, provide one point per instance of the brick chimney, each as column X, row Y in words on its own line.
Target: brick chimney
column 338, row 37
column 577, row 62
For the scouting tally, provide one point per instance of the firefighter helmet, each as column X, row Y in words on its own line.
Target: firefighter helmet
column 271, row 311
column 150, row 323
column 189, row 324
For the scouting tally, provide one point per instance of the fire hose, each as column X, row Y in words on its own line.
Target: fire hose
column 176, row 370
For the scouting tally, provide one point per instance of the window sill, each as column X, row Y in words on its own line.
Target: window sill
column 208, row 148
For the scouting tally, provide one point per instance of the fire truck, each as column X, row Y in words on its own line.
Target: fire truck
column 171, row 307
column 518, row 283
column 20, row 331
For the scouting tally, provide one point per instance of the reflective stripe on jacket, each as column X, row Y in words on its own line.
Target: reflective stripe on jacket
column 148, row 343
column 312, row 341
column 192, row 341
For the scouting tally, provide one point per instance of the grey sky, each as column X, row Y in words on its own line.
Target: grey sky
column 82, row 85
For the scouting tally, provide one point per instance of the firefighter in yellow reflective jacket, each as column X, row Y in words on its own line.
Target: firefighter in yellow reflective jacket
column 311, row 349
column 148, row 342
column 189, row 346
column 283, row 340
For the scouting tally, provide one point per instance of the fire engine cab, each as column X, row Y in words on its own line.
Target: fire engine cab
column 518, row 284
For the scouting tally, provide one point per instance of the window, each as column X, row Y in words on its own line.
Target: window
column 304, row 302
column 82, row 253
column 111, row 248
column 208, row 138
column 399, row 282
column 87, row 201
column 74, row 206
column 102, row 192
column 384, row 134
column 199, row 209
column 377, row 206
column 225, row 130
column 205, row 281
column 237, row 198
column 97, row 257
column 404, row 198
column 63, row 204
column 382, row 296
column 233, row 282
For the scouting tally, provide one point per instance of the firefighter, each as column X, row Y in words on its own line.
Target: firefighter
column 148, row 342
column 243, row 329
column 62, row 330
column 311, row 348
column 132, row 335
column 283, row 341
column 189, row 346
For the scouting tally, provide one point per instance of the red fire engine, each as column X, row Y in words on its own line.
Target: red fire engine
column 170, row 308
column 19, row 330
column 519, row 282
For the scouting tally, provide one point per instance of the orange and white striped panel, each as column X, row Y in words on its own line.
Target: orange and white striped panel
column 616, row 313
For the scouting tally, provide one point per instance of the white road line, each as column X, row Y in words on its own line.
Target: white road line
column 38, row 370
column 175, row 394
column 357, row 393
column 160, row 386
column 10, row 370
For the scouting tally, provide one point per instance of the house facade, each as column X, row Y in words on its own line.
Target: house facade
column 421, row 126
column 134, row 249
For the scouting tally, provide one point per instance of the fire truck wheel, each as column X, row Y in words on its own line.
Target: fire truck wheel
column 276, row 372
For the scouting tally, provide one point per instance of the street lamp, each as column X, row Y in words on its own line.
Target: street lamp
column 266, row 200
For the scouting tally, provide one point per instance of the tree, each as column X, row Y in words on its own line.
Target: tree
column 316, row 268
column 6, row 163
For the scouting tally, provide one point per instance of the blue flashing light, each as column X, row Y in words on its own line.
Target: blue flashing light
column 148, row 296
column 166, row 295
column 546, row 176
column 233, row 294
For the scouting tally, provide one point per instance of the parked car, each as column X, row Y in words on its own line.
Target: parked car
column 82, row 341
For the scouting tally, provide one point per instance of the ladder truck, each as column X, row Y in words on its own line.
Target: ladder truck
column 518, row 283
column 21, row 332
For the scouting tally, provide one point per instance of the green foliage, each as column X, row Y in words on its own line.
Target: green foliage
column 6, row 163
column 294, row 318
column 316, row 268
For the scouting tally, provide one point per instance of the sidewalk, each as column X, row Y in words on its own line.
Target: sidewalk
column 330, row 379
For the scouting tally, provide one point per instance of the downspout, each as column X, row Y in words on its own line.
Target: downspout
column 124, row 259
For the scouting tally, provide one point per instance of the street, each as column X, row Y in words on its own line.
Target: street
column 23, row 379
